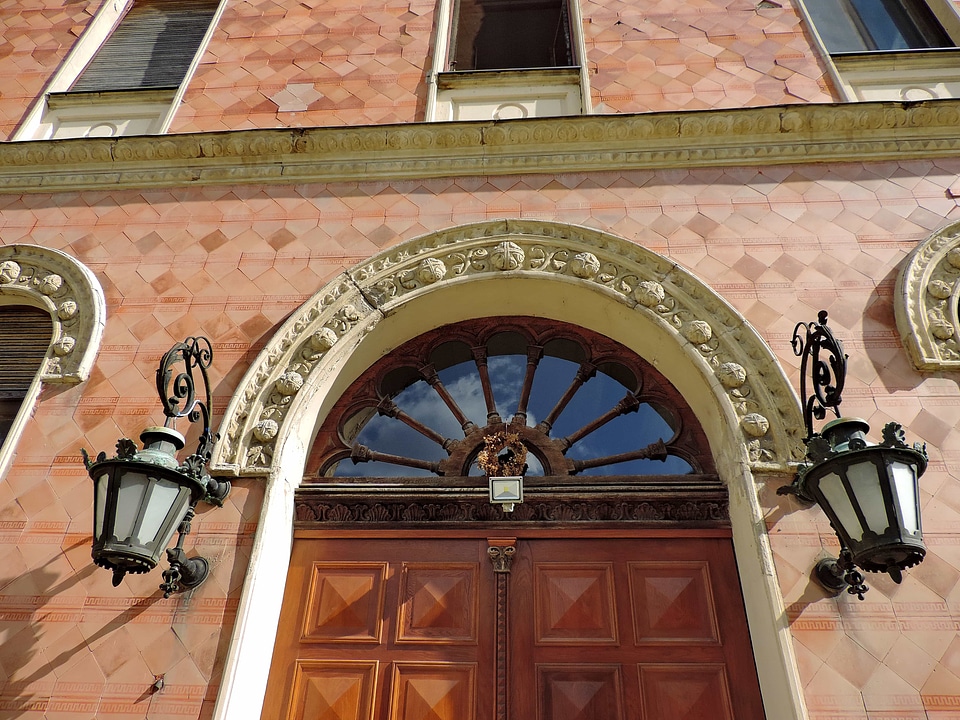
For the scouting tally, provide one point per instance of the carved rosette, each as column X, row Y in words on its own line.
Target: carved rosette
column 622, row 271
column 928, row 295
column 69, row 291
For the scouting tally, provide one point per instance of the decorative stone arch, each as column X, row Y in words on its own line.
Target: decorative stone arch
column 711, row 354
column 55, row 282
column 927, row 300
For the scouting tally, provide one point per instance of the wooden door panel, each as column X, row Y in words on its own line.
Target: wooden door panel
column 574, row 603
column 334, row 690
column 434, row 691
column 376, row 602
column 672, row 603
column 438, row 603
column 686, row 691
column 404, row 628
column 672, row 614
column 580, row 693
column 344, row 603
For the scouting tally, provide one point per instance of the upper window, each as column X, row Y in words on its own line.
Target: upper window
column 853, row 26
column 151, row 48
column 511, row 35
column 126, row 73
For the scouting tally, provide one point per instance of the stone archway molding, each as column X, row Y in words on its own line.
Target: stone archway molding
column 743, row 371
column 70, row 292
column 927, row 301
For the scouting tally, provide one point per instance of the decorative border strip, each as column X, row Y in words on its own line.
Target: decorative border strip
column 849, row 132
column 314, row 507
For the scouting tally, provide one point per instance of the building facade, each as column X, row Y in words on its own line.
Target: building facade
column 659, row 191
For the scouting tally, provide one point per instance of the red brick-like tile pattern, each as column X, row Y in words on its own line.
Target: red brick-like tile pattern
column 779, row 243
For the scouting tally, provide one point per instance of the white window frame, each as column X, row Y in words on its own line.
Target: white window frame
column 43, row 117
column 515, row 88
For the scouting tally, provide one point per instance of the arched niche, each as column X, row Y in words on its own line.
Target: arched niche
column 66, row 289
column 927, row 300
column 651, row 305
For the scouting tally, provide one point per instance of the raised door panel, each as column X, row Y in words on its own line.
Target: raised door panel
column 585, row 692
column 438, row 603
column 333, row 690
column 686, row 691
column 434, row 691
column 344, row 603
column 672, row 603
column 574, row 603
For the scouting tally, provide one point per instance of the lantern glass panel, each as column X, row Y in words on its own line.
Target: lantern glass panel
column 163, row 498
column 905, row 484
column 100, row 503
column 133, row 487
column 864, row 479
column 836, row 496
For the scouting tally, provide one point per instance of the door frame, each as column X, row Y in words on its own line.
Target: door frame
column 646, row 302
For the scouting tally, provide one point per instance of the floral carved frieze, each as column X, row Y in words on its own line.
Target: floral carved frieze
column 52, row 280
column 742, row 371
column 723, row 137
column 928, row 301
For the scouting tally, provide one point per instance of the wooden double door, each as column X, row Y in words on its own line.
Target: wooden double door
column 611, row 626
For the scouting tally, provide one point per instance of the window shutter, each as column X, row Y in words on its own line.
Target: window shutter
column 25, row 335
column 152, row 47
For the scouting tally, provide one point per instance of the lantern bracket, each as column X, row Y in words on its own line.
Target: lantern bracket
column 838, row 574
column 823, row 359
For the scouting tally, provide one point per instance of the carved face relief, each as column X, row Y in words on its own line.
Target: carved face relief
column 9, row 272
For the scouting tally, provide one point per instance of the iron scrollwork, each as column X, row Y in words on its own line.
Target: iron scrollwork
column 824, row 360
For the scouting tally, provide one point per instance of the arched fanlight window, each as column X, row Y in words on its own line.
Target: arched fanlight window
column 580, row 402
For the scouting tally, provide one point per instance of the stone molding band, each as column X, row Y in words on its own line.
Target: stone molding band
column 742, row 372
column 849, row 132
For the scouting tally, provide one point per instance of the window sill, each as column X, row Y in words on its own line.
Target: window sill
column 905, row 76
column 480, row 78
column 508, row 94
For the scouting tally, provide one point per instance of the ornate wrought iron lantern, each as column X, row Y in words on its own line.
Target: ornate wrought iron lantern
column 868, row 491
column 142, row 496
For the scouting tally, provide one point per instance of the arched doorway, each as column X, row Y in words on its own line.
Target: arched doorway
column 647, row 303
column 611, row 587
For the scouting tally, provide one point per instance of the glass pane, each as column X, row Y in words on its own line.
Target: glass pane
column 865, row 483
column 346, row 468
column 506, row 375
column 99, row 503
column 133, row 486
column 162, row 499
column 389, row 435
column 553, row 377
column 905, row 485
column 833, row 490
column 836, row 24
column 463, row 383
column 498, row 35
column 624, row 434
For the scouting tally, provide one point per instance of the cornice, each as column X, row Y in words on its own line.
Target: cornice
column 766, row 135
